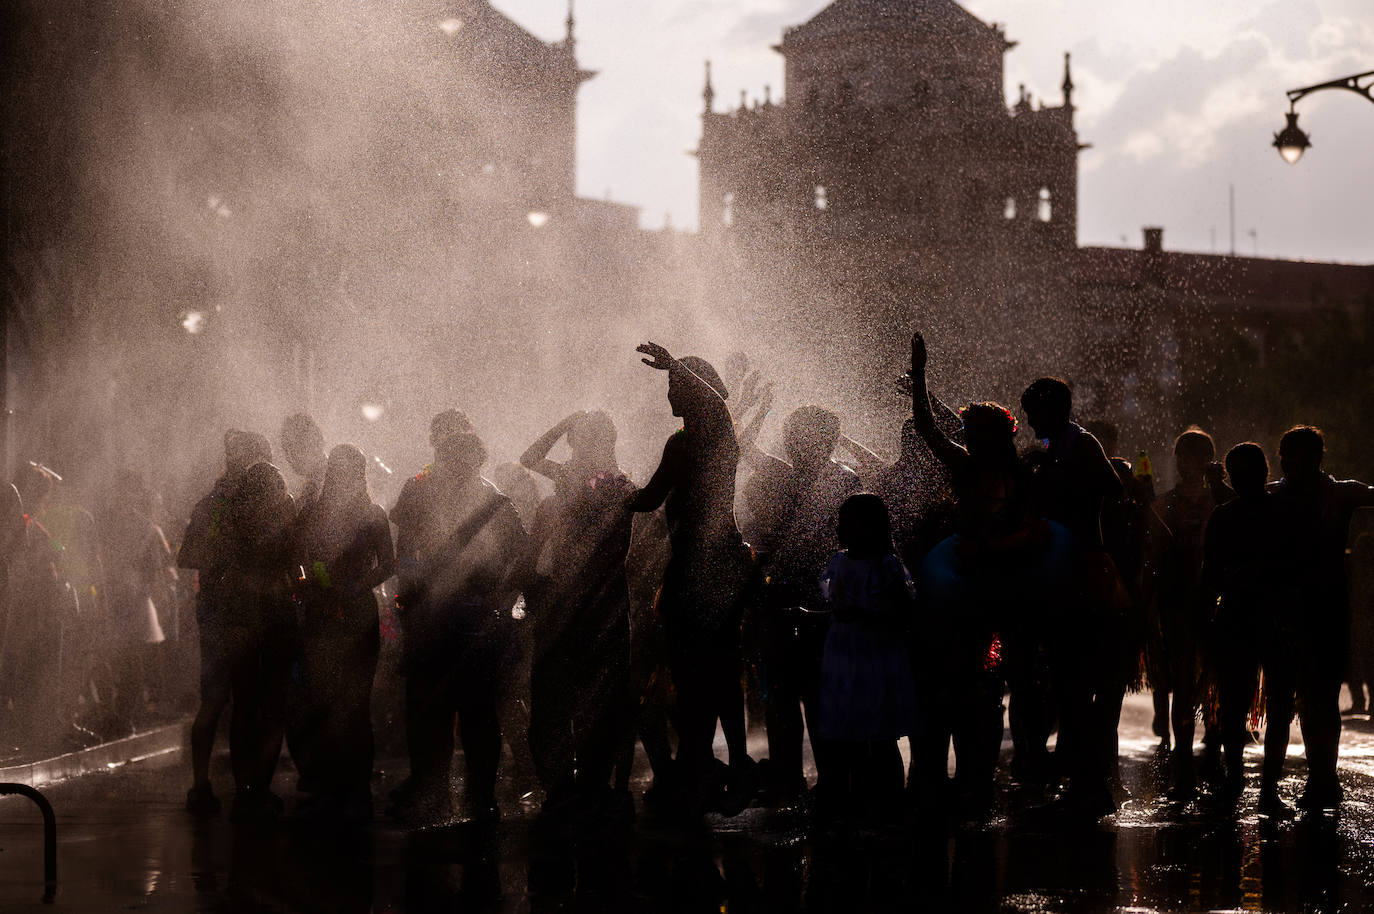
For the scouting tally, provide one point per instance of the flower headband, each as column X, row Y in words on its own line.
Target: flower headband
column 988, row 404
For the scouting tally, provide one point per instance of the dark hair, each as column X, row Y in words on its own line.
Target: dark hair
column 464, row 449
column 1050, row 394
column 1248, row 467
column 259, row 505
column 301, row 433
column 593, row 428
column 811, row 431
column 446, row 424
column 703, row 369
column 1195, row 443
column 243, row 449
column 988, row 418
column 345, row 476
column 1303, row 441
column 864, row 526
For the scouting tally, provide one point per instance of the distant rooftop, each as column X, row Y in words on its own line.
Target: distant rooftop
column 845, row 16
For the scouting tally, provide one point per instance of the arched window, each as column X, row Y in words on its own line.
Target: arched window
column 727, row 209
column 820, row 198
column 1044, row 211
column 1009, row 209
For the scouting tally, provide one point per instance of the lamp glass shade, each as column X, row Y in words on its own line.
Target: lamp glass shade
column 1291, row 142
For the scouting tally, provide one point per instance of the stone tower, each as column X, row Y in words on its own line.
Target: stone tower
column 893, row 131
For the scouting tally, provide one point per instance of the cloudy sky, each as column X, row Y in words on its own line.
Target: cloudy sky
column 1177, row 104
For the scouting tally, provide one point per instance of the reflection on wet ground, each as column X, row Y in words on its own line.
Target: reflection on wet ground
column 125, row 843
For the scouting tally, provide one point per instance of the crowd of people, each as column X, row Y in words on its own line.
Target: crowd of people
column 852, row 602
column 91, row 639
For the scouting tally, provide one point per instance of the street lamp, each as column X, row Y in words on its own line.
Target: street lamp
column 1292, row 142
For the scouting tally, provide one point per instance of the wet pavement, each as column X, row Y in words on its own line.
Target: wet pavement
column 126, row 844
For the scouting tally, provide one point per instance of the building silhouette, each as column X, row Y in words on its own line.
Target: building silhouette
column 885, row 103
column 892, row 187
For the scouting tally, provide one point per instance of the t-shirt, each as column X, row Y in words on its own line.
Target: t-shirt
column 874, row 591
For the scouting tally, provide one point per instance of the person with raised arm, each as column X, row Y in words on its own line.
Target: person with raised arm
column 971, row 637
column 705, row 583
column 579, row 680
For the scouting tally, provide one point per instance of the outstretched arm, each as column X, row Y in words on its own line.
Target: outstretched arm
column 864, row 462
column 536, row 456
column 948, row 452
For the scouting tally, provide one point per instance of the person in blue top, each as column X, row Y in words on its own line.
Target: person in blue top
column 867, row 697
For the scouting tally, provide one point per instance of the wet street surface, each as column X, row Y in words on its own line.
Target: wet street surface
column 125, row 843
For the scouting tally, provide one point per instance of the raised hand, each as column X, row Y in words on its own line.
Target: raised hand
column 658, row 357
column 918, row 353
column 766, row 398
column 749, row 391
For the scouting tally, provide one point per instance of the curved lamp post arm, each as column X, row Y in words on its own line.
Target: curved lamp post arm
column 1292, row 141
column 1353, row 83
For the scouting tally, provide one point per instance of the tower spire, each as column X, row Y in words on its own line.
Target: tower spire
column 708, row 94
column 1067, row 85
column 570, row 22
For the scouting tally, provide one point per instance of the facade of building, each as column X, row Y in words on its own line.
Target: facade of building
column 893, row 129
column 893, row 187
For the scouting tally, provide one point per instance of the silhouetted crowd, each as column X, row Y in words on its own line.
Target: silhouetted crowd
column 851, row 603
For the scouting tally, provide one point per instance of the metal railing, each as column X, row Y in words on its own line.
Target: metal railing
column 49, row 834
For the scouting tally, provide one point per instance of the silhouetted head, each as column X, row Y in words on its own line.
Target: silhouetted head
column 864, row 527
column 345, row 476
column 302, row 444
column 1248, row 469
column 260, row 506
column 1048, row 403
column 809, row 435
column 1193, row 451
column 1106, row 434
column 460, row 456
column 592, row 438
column 35, row 485
column 680, row 396
column 989, row 431
column 449, row 422
column 243, row 449
column 1301, row 450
